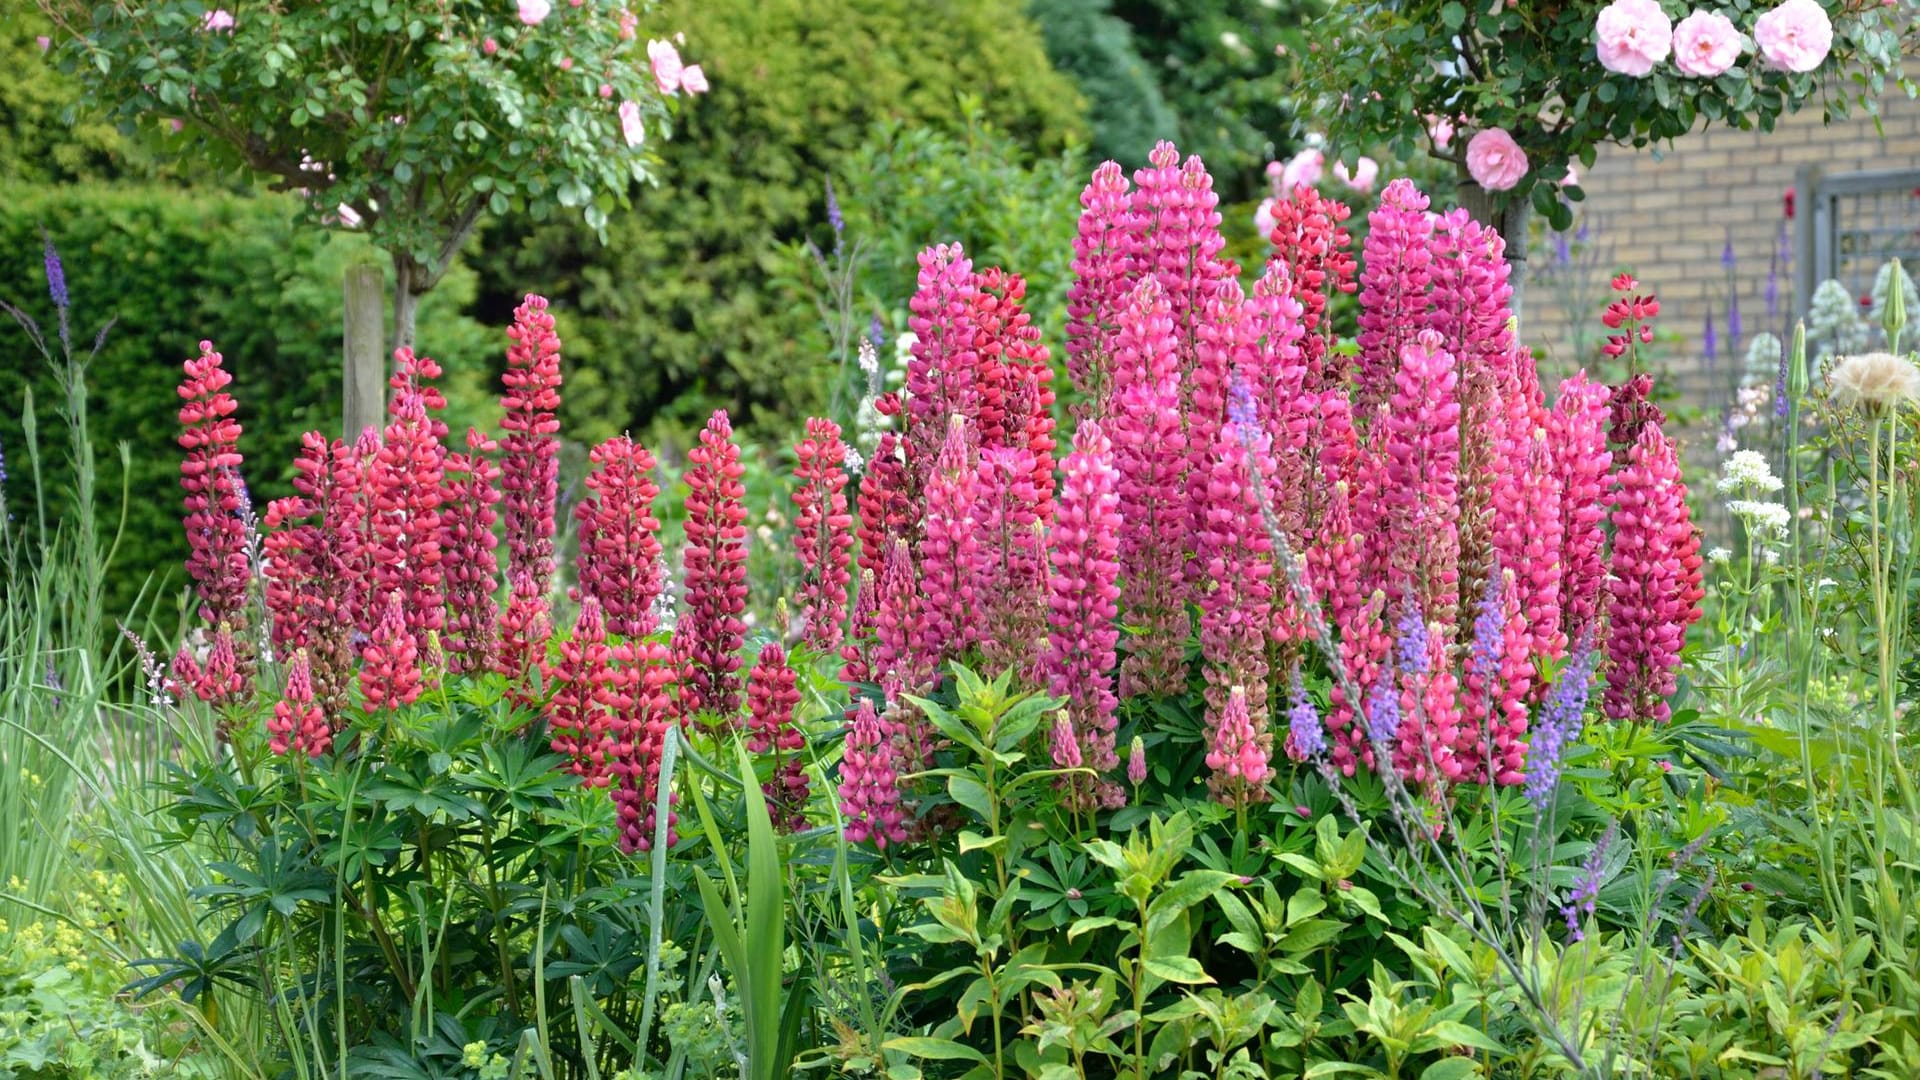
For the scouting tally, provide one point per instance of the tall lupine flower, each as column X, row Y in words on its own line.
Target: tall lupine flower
column 1145, row 426
column 1334, row 566
column 297, row 723
column 1084, row 595
column 1394, row 281
column 309, row 586
column 620, row 563
column 823, row 533
column 1177, row 239
column 1631, row 412
column 1471, row 294
column 1528, row 525
column 941, row 376
column 221, row 683
column 772, row 695
column 1484, row 452
column 352, row 521
column 1577, row 445
column 1014, row 378
column 1310, row 243
column 1222, row 334
column 644, row 709
column 580, row 714
column 715, row 560
column 1102, row 284
column 530, row 458
column 899, row 664
column 857, row 648
column 1505, row 730
column 216, row 537
column 870, row 781
column 951, row 559
column 1271, row 380
column 405, row 494
column 1239, row 753
column 389, row 662
column 1420, row 506
column 524, row 628
column 886, row 513
column 1655, row 587
column 1010, row 582
column 1236, row 596
column 467, row 542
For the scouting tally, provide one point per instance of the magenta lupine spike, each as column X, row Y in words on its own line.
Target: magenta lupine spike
column 1527, row 524
column 1011, row 583
column 715, row 560
column 353, row 476
column 823, row 533
column 1517, row 681
column 1015, row 365
column 857, row 648
column 870, row 781
column 467, row 544
column 308, row 583
column 951, row 557
column 530, row 459
column 899, row 665
column 1431, row 726
column 405, row 489
column 772, row 695
column 1239, row 752
column 1222, row 334
column 1236, row 599
column 941, row 373
column 1471, row 294
column 1177, row 239
column 1066, row 745
column 1577, row 445
column 580, row 712
column 1655, row 588
column 1084, row 594
column 1420, row 508
column 297, row 724
column 1149, row 453
column 389, row 661
column 643, row 711
column 620, row 564
column 1102, row 257
column 1273, row 376
column 1396, row 270
column 210, row 475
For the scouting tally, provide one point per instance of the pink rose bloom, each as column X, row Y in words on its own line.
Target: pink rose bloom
column 606, row 90
column 1274, row 169
column 1365, row 172
column 628, row 22
column 1705, row 44
column 693, row 80
column 630, row 126
column 1796, row 36
column 489, row 46
column 1572, row 179
column 348, row 216
column 1263, row 218
column 667, row 68
column 44, row 42
column 1632, row 36
column 535, row 12
column 177, row 125
column 1305, row 167
column 1494, row 160
column 217, row 19
column 566, row 63
column 1440, row 130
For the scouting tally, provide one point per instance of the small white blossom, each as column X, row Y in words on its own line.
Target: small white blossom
column 1720, row 555
column 1747, row 470
column 1761, row 517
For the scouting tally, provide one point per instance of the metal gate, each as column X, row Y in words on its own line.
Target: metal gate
column 1852, row 223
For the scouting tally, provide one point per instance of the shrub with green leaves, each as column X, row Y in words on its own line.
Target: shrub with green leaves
column 675, row 316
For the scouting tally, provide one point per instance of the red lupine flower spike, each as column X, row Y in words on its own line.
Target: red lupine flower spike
column 715, row 558
column 620, row 555
column 823, row 536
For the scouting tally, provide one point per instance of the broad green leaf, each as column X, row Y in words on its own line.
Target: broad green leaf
column 1178, row 969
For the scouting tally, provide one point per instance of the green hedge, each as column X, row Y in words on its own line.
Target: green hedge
column 677, row 314
column 172, row 268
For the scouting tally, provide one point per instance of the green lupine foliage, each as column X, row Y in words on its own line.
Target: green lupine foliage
column 676, row 315
column 172, row 268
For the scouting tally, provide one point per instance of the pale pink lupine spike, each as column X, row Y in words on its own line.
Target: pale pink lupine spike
column 1577, row 447
column 1420, row 505
column 1102, row 258
column 1149, row 453
column 1655, row 588
column 1084, row 594
column 1239, row 752
column 1236, row 600
column 1394, row 288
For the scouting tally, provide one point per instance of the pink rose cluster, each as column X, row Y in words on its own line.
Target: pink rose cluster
column 1633, row 36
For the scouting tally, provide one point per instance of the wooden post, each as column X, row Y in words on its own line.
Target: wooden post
column 364, row 382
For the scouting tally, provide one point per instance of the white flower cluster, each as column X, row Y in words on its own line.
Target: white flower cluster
column 1747, row 470
column 1833, row 320
column 1761, row 518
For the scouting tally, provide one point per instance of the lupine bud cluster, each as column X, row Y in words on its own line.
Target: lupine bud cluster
column 772, row 696
column 620, row 557
column 1655, row 590
column 210, row 475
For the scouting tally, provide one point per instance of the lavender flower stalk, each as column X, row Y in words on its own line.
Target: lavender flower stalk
column 1586, row 888
column 1558, row 725
column 1306, row 736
